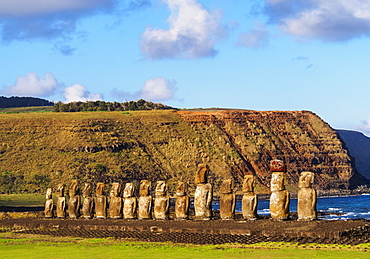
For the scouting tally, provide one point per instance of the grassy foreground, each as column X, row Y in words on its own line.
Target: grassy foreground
column 26, row 199
column 33, row 246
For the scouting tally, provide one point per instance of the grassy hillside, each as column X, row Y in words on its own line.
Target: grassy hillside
column 27, row 109
column 38, row 150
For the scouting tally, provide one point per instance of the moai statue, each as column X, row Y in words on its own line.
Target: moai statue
column 307, row 197
column 61, row 202
column 203, row 194
column 182, row 201
column 74, row 201
column 280, row 198
column 129, row 204
column 249, row 201
column 49, row 204
column 100, row 202
column 145, row 200
column 227, row 200
column 115, row 201
column 161, row 201
column 88, row 204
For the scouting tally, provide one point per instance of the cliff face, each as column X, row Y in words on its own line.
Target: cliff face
column 300, row 138
column 41, row 150
column 359, row 148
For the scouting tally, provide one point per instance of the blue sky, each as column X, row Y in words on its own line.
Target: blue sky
column 258, row 54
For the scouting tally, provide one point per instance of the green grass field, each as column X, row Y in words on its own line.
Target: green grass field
column 22, row 199
column 32, row 246
column 27, row 109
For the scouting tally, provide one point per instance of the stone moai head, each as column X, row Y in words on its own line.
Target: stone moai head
column 87, row 190
column 49, row 194
column 161, row 189
column 129, row 190
column 182, row 189
column 278, row 181
column 99, row 189
column 201, row 174
column 144, row 188
column 277, row 166
column 306, row 180
column 60, row 190
column 115, row 190
column 227, row 186
column 249, row 182
column 73, row 188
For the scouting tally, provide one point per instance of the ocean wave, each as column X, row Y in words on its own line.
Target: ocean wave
column 335, row 209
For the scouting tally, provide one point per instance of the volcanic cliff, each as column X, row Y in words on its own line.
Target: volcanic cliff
column 40, row 150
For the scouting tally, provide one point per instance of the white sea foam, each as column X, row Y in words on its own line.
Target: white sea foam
column 331, row 209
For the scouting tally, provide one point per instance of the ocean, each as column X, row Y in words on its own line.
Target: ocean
column 335, row 208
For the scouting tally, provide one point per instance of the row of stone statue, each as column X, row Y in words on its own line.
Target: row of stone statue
column 130, row 207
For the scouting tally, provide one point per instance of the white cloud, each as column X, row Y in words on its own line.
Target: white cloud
column 158, row 89
column 77, row 92
column 32, row 85
column 255, row 38
column 328, row 20
column 193, row 32
column 154, row 89
column 364, row 127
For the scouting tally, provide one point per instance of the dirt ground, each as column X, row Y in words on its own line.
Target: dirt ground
column 216, row 231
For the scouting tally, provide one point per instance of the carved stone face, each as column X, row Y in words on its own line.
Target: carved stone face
column 161, row 188
column 49, row 193
column 115, row 190
column 278, row 181
column 144, row 187
column 227, row 186
column 182, row 189
column 99, row 189
column 277, row 166
column 201, row 174
column 73, row 188
column 306, row 180
column 129, row 190
column 60, row 190
column 248, row 183
column 87, row 190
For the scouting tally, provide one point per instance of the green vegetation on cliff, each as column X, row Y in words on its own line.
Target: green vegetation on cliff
column 38, row 150
column 108, row 106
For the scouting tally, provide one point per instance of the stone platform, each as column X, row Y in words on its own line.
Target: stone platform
column 199, row 232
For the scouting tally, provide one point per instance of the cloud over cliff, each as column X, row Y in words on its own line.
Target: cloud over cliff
column 33, row 85
column 154, row 89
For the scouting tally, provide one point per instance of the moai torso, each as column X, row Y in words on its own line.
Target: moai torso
column 307, row 197
column 249, row 201
column 129, row 204
column 280, row 198
column 88, row 204
column 227, row 200
column 61, row 202
column 145, row 200
column 115, row 201
column 100, row 202
column 49, row 204
column 182, row 201
column 74, row 200
column 203, row 194
column 161, row 201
